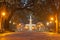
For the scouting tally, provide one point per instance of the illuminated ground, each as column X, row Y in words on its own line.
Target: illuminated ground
column 30, row 36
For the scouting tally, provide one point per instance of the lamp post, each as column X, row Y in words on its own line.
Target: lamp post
column 1, row 23
column 56, row 22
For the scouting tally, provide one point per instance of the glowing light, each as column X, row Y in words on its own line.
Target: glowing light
column 9, row 21
column 19, row 24
column 14, row 23
column 26, row 27
column 50, row 21
column 55, row 21
column 3, row 14
column 47, row 23
column 52, row 18
column 33, row 28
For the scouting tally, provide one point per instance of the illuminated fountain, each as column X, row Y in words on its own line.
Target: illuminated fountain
column 30, row 26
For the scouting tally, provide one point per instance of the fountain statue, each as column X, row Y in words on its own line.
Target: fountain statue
column 30, row 25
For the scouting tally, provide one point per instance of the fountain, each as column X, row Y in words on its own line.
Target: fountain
column 30, row 25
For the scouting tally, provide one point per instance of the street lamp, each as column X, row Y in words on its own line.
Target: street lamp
column 1, row 21
column 56, row 21
column 52, row 19
column 3, row 14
